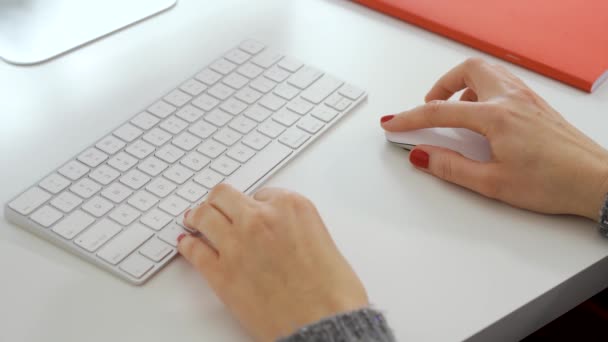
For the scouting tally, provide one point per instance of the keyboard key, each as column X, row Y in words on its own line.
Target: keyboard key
column 195, row 161
column 242, row 124
column 125, row 214
column 140, row 149
column 161, row 187
column 208, row 178
column 271, row 128
column 262, row 84
column 122, row 162
column 135, row 179
column 324, row 113
column 170, row 154
column 286, row 91
column 304, row 77
column 46, row 216
column 110, row 144
column 97, row 206
column 227, row 136
column 97, row 235
column 290, row 64
column 85, row 188
column 174, row 205
column 193, row 87
column 156, row 219
column 186, row 141
column 266, row 58
column 170, row 234
column 143, row 200
column 202, row 129
column 145, row 121
column 128, row 132
column 208, row 77
column 338, row 102
column 190, row 113
column 237, row 56
column 285, row 117
column 116, row 192
column 350, row 92
column 157, row 137
column 240, row 153
column 272, row 102
column 178, row 174
column 161, row 109
column 192, row 192
column 222, row 66
column 73, row 224
column 225, row 165
column 178, row 98
column 136, row 265
column 248, row 95
column 155, row 250
column 218, row 117
column 174, row 125
column 233, row 106
column 54, row 183
column 321, row 89
column 235, row 81
column 258, row 166
column 125, row 243
column 104, row 174
column 66, row 201
column 250, row 70
column 300, row 106
column 310, row 124
column 251, row 46
column 257, row 113
column 277, row 74
column 220, row 91
column 74, row 170
column 294, row 137
column 205, row 102
column 256, row 140
column 152, row 166
column 92, row 157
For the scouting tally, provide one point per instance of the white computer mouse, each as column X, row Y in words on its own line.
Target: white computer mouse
column 468, row 143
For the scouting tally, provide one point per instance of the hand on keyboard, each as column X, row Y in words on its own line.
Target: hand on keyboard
column 275, row 265
column 540, row 161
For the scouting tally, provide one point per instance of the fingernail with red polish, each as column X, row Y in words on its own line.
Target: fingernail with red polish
column 180, row 237
column 386, row 118
column 186, row 213
column 420, row 159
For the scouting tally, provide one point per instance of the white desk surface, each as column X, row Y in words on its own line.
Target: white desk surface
column 443, row 263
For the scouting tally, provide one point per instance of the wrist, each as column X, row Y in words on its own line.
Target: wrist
column 595, row 194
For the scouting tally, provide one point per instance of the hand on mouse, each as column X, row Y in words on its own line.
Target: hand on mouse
column 274, row 264
column 539, row 161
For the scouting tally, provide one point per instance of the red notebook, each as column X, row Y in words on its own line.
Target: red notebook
column 564, row 39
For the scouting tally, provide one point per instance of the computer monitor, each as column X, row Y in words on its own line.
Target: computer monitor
column 34, row 31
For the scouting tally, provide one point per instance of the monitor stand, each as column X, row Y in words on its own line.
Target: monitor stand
column 34, row 31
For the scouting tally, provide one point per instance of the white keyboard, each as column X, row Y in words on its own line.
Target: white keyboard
column 119, row 203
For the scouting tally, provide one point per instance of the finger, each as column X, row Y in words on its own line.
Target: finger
column 199, row 254
column 210, row 222
column 453, row 167
column 228, row 201
column 475, row 116
column 468, row 95
column 266, row 194
column 474, row 73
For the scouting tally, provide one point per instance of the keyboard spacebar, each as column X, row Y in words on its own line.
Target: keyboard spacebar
column 259, row 166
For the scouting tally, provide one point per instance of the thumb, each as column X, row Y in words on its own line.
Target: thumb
column 453, row 167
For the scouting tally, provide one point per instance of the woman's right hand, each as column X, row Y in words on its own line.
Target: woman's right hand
column 540, row 161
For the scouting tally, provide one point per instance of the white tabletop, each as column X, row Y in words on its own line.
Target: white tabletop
column 443, row 263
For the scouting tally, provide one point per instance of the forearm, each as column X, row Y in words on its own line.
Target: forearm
column 365, row 325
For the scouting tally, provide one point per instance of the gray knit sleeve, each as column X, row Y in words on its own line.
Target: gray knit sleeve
column 365, row 325
column 603, row 224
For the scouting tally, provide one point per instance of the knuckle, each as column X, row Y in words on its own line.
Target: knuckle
column 489, row 185
column 444, row 169
column 474, row 62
